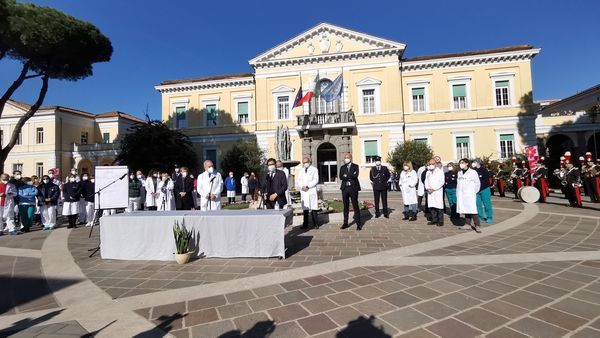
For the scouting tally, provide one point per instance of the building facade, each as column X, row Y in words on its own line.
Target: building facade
column 463, row 105
column 62, row 137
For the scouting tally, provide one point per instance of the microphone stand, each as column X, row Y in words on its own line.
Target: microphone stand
column 212, row 180
column 98, row 213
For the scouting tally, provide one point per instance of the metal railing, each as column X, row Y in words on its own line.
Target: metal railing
column 94, row 147
column 320, row 119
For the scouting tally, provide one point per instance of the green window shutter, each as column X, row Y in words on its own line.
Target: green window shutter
column 242, row 108
column 502, row 84
column 106, row 137
column 462, row 139
column 180, row 113
column 418, row 91
column 507, row 137
column 371, row 148
column 459, row 90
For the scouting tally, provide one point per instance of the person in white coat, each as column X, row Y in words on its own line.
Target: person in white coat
column 308, row 178
column 7, row 205
column 245, row 186
column 166, row 199
column 408, row 186
column 421, row 195
column 467, row 188
column 210, row 186
column 434, row 185
column 151, row 187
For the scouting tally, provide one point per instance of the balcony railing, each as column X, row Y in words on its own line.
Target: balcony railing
column 327, row 120
column 95, row 147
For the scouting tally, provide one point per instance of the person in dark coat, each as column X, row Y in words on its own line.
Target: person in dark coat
column 88, row 193
column 350, row 188
column 48, row 194
column 274, row 186
column 72, row 195
column 379, row 177
column 252, row 186
column 183, row 189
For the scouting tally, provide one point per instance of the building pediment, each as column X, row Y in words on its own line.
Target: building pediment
column 282, row 89
column 324, row 42
column 368, row 81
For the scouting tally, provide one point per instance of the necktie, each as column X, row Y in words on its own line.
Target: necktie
column 305, row 170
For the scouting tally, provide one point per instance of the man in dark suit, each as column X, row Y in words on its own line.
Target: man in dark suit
column 350, row 188
column 274, row 186
column 183, row 189
column 379, row 176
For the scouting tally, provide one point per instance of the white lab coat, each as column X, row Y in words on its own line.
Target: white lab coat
column 204, row 188
column 408, row 185
column 467, row 188
column 308, row 177
column 421, row 186
column 151, row 200
column 244, row 183
column 435, row 180
column 7, row 212
column 166, row 200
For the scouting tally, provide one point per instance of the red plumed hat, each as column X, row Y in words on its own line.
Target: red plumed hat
column 588, row 155
column 514, row 160
column 581, row 159
column 568, row 155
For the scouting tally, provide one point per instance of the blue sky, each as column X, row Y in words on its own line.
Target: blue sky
column 159, row 40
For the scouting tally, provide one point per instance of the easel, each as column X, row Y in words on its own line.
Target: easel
column 99, row 212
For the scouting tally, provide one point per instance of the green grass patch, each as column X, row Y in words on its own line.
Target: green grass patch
column 236, row 206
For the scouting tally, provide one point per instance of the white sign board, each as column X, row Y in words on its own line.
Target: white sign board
column 111, row 187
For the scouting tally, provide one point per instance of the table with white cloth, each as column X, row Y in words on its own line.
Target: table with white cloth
column 148, row 235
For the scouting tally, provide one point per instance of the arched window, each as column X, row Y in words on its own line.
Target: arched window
column 319, row 105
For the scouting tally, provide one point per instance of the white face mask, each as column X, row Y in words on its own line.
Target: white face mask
column 176, row 170
column 184, row 173
column 131, row 176
column 271, row 168
column 346, row 160
column 431, row 167
column 473, row 165
column 164, row 178
column 230, row 175
column 406, row 168
column 46, row 181
column 377, row 163
column 51, row 174
column 71, row 179
column 450, row 168
column 155, row 175
column 306, row 165
column 92, row 180
column 85, row 178
column 73, row 172
column 463, row 166
column 17, row 177
column 210, row 170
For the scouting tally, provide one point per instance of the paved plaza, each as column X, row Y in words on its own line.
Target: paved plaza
column 534, row 272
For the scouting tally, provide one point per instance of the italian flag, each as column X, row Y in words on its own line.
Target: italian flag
column 311, row 91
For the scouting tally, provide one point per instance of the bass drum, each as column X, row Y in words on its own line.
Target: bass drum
column 528, row 194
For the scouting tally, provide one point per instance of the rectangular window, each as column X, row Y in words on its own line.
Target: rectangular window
column 106, row 138
column 459, row 96
column 242, row 110
column 211, row 114
column 19, row 138
column 1, row 138
column 39, row 135
column 180, row 117
column 422, row 140
column 502, row 93
column 84, row 137
column 507, row 145
column 370, row 151
column 39, row 169
column 462, row 147
column 368, row 101
column 418, row 99
column 283, row 107
column 211, row 154
column 18, row 167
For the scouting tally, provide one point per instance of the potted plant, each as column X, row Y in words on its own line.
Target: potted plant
column 182, row 242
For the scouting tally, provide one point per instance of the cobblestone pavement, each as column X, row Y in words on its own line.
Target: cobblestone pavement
column 534, row 272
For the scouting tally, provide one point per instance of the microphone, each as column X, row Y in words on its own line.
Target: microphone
column 122, row 177
column 212, row 179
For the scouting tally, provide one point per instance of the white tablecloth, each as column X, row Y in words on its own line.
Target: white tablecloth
column 148, row 235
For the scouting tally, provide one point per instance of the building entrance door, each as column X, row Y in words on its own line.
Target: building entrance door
column 327, row 163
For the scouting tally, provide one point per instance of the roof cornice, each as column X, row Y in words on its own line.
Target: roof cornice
column 471, row 60
column 203, row 85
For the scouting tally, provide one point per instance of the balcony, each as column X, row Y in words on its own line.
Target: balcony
column 326, row 121
column 95, row 147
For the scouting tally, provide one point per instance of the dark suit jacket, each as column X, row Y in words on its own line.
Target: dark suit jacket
column 184, row 185
column 349, row 178
column 380, row 177
column 276, row 185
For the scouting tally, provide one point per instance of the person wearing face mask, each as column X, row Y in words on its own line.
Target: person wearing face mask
column 274, row 187
column 88, row 195
column 48, row 195
column 72, row 194
column 210, row 186
column 421, row 195
column 176, row 173
column 450, row 190
column 252, row 186
column 142, row 179
column 230, row 186
column 408, row 186
column 82, row 216
column 434, row 184
column 245, row 188
column 134, row 194
column 27, row 200
column 7, row 205
column 151, row 188
column 37, row 217
column 166, row 200
column 306, row 183
column 467, row 188
column 17, row 181
column 484, row 196
column 350, row 188
column 279, row 166
column 74, row 173
column 379, row 176
column 183, row 189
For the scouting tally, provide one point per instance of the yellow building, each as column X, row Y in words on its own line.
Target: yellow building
column 468, row 104
column 62, row 137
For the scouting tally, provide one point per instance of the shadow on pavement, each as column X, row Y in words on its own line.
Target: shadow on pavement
column 29, row 293
column 259, row 330
column 28, row 322
column 363, row 327
column 165, row 325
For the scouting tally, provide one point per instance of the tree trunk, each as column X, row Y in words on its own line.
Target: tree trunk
column 14, row 86
column 15, row 134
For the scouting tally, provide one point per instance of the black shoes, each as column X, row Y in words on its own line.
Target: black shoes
column 440, row 224
column 377, row 214
column 431, row 223
column 406, row 216
column 345, row 226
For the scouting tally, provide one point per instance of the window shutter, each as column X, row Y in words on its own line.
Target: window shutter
column 507, row 137
column 462, row 139
column 242, row 108
column 459, row 90
column 418, row 91
column 502, row 84
column 371, row 148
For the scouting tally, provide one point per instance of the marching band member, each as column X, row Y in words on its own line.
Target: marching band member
column 589, row 173
column 573, row 184
column 499, row 180
column 540, row 178
column 526, row 174
column 516, row 177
